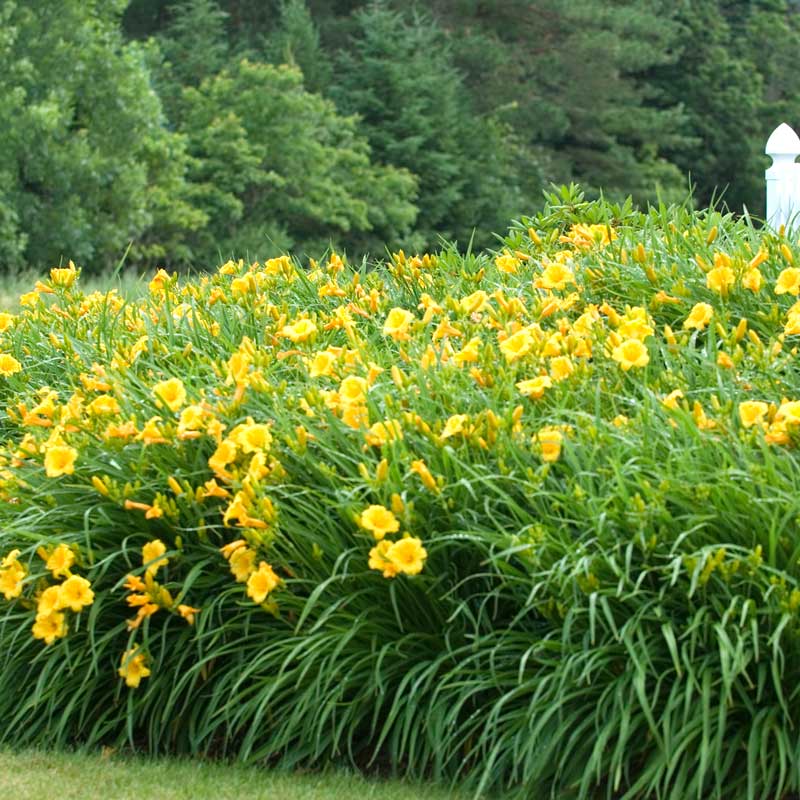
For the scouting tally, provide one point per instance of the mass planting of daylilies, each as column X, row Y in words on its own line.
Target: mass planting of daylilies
column 226, row 445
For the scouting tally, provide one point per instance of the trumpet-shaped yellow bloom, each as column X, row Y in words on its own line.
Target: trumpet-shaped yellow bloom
column 635, row 324
column 555, row 276
column 752, row 279
column 517, row 345
column 672, row 399
column 789, row 412
column 322, row 364
column 104, row 404
column 242, row 563
column 191, row 421
column 507, row 264
column 50, row 627
column 224, row 455
column 383, row 432
column 378, row 559
column 60, row 560
column 152, row 553
column 752, row 412
column 252, row 437
column 585, row 236
column 151, row 433
column 60, row 460
column 456, row 425
column 720, row 279
column 561, row 367
column 631, row 353
column 407, row 555
column 133, row 668
column 469, row 352
column 12, row 573
column 171, row 392
column 49, row 601
column 353, row 390
column 379, row 520
column 75, row 594
column 699, row 316
column 6, row 321
column 535, row 387
column 355, row 416
column 262, row 582
column 299, row 331
column 549, row 441
column 9, row 365
column 788, row 282
column 474, row 303
column 64, row 276
column 397, row 324
column 159, row 282
column 238, row 368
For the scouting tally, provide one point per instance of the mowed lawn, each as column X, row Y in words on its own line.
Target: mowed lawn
column 37, row 775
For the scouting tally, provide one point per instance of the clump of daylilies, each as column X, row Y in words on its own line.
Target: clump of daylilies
column 65, row 591
column 195, row 411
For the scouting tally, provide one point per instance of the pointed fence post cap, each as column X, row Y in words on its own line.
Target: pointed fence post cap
column 783, row 142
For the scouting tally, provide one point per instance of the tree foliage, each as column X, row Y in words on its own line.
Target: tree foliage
column 398, row 75
column 88, row 165
column 295, row 40
column 276, row 166
column 734, row 77
column 452, row 115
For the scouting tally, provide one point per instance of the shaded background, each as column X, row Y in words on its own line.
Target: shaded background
column 194, row 130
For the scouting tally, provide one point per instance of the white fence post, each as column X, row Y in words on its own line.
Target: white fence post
column 783, row 177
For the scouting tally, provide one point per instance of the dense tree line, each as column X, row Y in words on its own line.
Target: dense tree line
column 191, row 130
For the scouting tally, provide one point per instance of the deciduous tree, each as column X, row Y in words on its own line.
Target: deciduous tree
column 88, row 164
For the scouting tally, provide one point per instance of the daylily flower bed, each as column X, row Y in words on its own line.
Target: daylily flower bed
column 527, row 518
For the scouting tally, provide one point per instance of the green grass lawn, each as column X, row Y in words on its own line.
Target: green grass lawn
column 36, row 775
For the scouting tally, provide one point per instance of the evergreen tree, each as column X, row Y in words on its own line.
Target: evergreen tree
column 572, row 75
column 397, row 74
column 194, row 46
column 296, row 41
column 734, row 76
column 144, row 18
